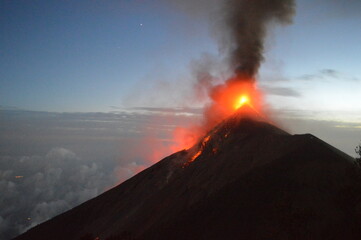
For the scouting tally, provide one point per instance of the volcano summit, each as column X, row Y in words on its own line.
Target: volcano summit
column 246, row 179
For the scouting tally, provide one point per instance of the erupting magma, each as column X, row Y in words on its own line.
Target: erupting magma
column 226, row 98
column 230, row 97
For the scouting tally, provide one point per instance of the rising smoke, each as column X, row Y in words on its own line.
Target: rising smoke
column 241, row 30
column 240, row 27
column 244, row 26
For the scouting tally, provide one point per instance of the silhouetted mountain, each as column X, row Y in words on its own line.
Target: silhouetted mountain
column 246, row 179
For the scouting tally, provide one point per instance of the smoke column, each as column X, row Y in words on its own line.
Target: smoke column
column 240, row 26
column 246, row 23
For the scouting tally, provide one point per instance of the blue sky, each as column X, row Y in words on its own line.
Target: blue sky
column 90, row 55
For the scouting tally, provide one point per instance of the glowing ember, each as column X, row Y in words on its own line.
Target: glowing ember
column 203, row 145
column 205, row 140
column 241, row 101
column 195, row 156
column 231, row 96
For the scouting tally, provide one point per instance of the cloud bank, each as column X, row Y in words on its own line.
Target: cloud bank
column 36, row 188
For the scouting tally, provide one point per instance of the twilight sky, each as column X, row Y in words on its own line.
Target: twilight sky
column 91, row 91
column 89, row 55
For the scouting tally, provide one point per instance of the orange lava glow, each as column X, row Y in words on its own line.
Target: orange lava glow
column 195, row 156
column 202, row 146
column 241, row 101
column 226, row 99
column 237, row 94
column 230, row 97
column 184, row 138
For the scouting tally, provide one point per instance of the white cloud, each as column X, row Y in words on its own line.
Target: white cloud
column 48, row 185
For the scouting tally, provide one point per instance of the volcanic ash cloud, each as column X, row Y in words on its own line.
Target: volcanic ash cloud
column 242, row 29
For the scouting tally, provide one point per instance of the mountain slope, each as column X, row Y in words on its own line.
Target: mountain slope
column 246, row 179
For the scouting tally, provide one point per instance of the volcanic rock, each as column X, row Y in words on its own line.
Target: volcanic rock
column 246, row 179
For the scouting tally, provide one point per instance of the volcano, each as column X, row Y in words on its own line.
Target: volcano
column 246, row 179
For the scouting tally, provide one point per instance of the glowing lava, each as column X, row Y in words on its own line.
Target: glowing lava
column 241, row 101
column 231, row 96
column 238, row 94
column 202, row 146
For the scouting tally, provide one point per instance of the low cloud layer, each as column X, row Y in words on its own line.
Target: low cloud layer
column 36, row 188
column 51, row 162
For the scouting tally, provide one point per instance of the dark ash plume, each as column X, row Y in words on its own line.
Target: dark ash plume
column 247, row 22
